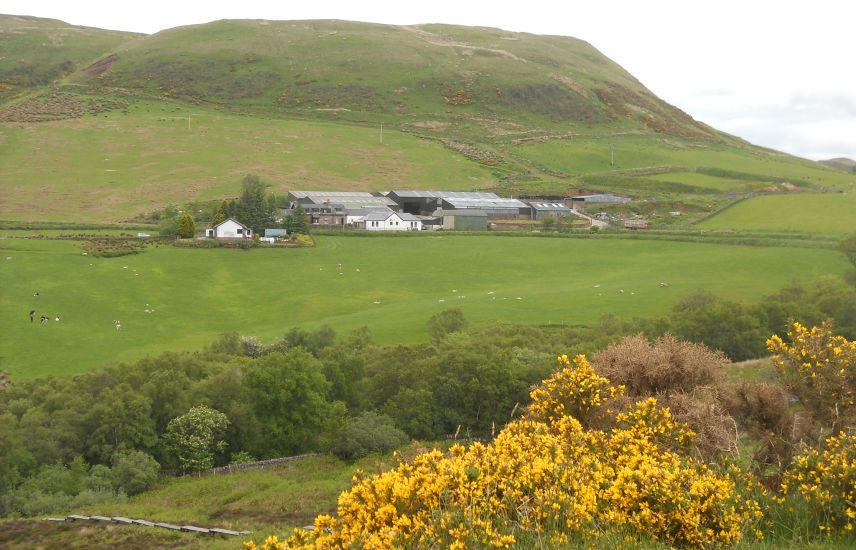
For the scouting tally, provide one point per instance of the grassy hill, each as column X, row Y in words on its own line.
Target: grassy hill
column 302, row 103
column 36, row 52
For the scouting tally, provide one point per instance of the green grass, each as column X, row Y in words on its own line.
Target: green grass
column 831, row 213
column 271, row 500
column 114, row 166
column 592, row 156
column 711, row 182
column 198, row 294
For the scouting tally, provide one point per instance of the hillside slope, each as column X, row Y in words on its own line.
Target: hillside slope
column 183, row 114
column 37, row 51
column 399, row 72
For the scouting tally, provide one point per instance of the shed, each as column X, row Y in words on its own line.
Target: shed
column 601, row 198
column 465, row 220
column 540, row 210
column 276, row 233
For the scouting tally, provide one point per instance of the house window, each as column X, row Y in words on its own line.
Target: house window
column 240, row 231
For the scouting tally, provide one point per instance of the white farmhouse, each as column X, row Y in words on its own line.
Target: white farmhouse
column 390, row 221
column 229, row 229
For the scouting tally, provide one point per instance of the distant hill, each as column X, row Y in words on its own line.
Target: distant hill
column 840, row 163
column 137, row 122
column 35, row 51
column 407, row 73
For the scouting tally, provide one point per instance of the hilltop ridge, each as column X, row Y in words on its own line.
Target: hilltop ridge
column 148, row 120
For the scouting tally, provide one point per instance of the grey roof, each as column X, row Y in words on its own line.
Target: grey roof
column 549, row 206
column 407, row 193
column 491, row 203
column 351, row 199
column 275, row 232
column 363, row 210
column 380, row 215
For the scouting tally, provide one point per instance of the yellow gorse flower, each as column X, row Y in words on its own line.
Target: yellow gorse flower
column 546, row 474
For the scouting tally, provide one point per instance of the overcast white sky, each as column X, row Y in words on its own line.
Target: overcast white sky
column 777, row 73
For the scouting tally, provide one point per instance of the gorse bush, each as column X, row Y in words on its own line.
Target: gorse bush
column 820, row 369
column 825, row 480
column 549, row 474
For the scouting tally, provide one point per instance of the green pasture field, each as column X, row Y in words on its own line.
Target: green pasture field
column 120, row 164
column 830, row 213
column 391, row 285
column 715, row 183
column 585, row 156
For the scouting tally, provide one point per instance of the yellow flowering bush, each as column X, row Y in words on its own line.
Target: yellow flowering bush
column 821, row 370
column 826, row 481
column 544, row 474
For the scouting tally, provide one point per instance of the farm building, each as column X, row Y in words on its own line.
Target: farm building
column 326, row 214
column 465, row 220
column 350, row 200
column 581, row 201
column 427, row 203
column 541, row 210
column 229, row 229
column 389, row 221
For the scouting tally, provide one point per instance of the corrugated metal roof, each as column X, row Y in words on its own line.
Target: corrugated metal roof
column 486, row 203
column 603, row 197
column 413, row 194
column 347, row 198
column 547, row 206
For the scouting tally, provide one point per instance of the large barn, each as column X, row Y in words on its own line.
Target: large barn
column 427, row 203
column 349, row 200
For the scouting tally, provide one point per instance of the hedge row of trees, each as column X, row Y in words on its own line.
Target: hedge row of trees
column 240, row 399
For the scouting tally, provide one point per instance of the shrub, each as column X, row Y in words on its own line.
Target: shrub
column 446, row 322
column 666, row 366
column 825, row 480
column 549, row 475
column 820, row 369
column 134, row 471
column 368, row 433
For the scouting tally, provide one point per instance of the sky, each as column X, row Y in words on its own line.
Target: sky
column 777, row 73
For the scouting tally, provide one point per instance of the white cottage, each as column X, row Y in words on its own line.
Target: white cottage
column 390, row 221
column 229, row 229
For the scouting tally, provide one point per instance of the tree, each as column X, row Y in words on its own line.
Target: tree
column 371, row 432
column 446, row 322
column 297, row 221
column 287, row 393
column 196, row 436
column 255, row 208
column 186, row 227
column 134, row 471
column 220, row 214
column 848, row 248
